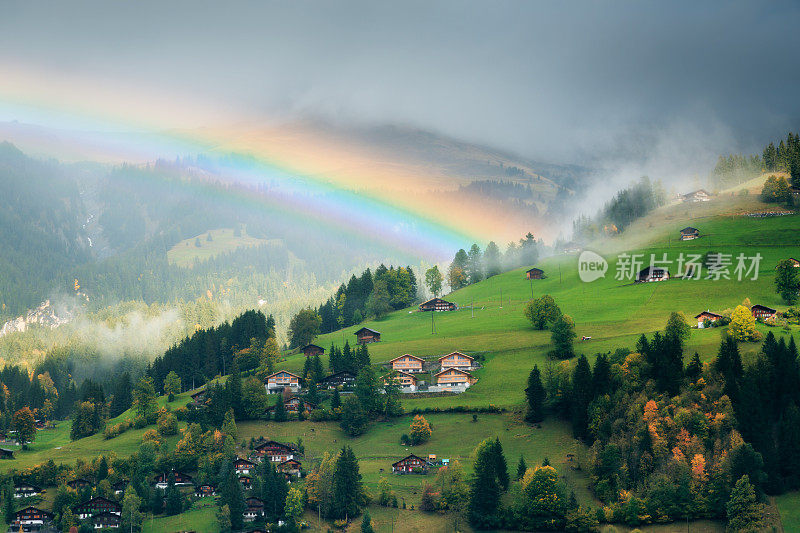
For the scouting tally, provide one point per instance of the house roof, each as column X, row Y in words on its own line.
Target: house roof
column 708, row 313
column 396, row 372
column 453, row 369
column 689, row 229
column 534, row 269
column 652, row 269
column 457, row 353
column 412, row 456
column 198, row 393
column 765, row 308
column 435, row 300
column 290, row 461
column 274, row 443
column 241, row 460
column 282, row 372
column 96, row 499
column 341, row 373
column 33, row 509
column 407, row 355
column 303, row 349
column 107, row 515
column 698, row 191
column 27, row 485
column 367, row 329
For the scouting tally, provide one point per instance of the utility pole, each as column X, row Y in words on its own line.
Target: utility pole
column 472, row 307
column 531, row 280
column 501, row 298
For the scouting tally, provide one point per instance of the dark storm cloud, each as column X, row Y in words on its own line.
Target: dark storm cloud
column 569, row 81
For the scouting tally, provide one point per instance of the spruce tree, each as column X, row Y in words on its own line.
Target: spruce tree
column 535, row 395
column 500, row 464
column 521, row 467
column 581, row 398
column 336, row 400
column 348, row 493
column 231, row 495
column 233, row 388
column 280, row 410
column 744, row 511
column 484, row 495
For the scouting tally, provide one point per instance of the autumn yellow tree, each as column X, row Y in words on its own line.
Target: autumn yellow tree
column 743, row 325
column 420, row 430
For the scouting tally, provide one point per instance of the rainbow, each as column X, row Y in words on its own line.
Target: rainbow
column 349, row 202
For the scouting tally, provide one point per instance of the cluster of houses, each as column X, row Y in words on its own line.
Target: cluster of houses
column 759, row 312
column 104, row 513
column 453, row 372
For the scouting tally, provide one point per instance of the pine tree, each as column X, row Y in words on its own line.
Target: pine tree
column 521, row 467
column 362, row 357
column 229, row 426
column 348, row 493
column 366, row 523
column 535, row 395
column 695, row 368
column 280, row 410
column 484, row 497
column 500, row 465
column 336, row 401
column 581, row 398
column 233, row 389
column 231, row 495
column 744, row 511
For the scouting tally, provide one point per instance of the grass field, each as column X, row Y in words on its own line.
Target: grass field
column 186, row 252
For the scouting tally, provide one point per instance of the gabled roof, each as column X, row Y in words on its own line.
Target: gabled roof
column 407, row 355
column 289, row 461
column 412, row 456
column 457, row 353
column 708, row 313
column 367, row 329
column 534, row 269
column 241, row 460
column 303, row 349
column 282, row 372
column 652, row 269
column 400, row 372
column 198, row 393
column 107, row 515
column 27, row 485
column 434, row 300
column 689, row 229
column 453, row 369
column 341, row 373
column 765, row 308
column 97, row 499
column 33, row 509
column 274, row 443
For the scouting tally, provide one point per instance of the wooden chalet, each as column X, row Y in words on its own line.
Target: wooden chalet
column 5, row 453
column 437, row 304
column 106, row 521
column 652, row 273
column 205, row 490
column 273, row 451
column 199, row 398
column 402, row 379
column 342, row 378
column 700, row 195
column 289, row 468
column 296, row 404
column 410, row 364
column 281, row 380
column 310, row 350
column 120, row 486
column 246, row 481
column 254, row 509
column 96, row 506
column 534, row 273
column 763, row 312
column 454, row 377
column 366, row 336
column 457, row 360
column 181, row 480
column 31, row 517
column 243, row 466
column 26, row 490
column 795, row 262
column 689, row 233
column 411, row 465
column 79, row 483
column 706, row 315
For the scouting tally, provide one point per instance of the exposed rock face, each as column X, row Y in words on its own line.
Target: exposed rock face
column 44, row 315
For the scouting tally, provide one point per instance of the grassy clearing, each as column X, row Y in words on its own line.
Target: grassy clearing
column 202, row 518
column 186, row 252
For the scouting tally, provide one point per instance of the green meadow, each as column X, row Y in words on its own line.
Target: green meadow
column 186, row 252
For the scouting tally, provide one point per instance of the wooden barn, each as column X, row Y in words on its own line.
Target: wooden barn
column 763, row 312
column 281, row 380
column 411, row 465
column 342, row 378
column 96, row 506
column 652, row 273
column 199, row 398
column 407, row 363
column 456, row 360
column 31, row 517
column 689, row 233
column 534, row 273
column 707, row 315
column 437, row 304
column 366, row 336
column 5, row 453
column 310, row 350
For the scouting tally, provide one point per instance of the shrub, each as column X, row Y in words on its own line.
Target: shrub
column 167, row 424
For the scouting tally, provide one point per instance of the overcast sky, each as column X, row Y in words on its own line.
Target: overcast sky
column 562, row 81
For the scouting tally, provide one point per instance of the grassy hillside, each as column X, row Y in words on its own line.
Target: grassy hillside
column 186, row 252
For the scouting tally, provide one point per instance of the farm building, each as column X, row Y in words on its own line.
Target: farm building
column 199, row 398
column 254, row 509
column 534, row 273
column 763, row 312
column 688, row 233
column 652, row 274
column 454, row 377
column 106, row 521
column 96, row 506
column 243, row 466
column 290, row 468
column 5, row 453
column 411, row 465
column 203, row 491
column 78, row 483
column 31, row 517
column 402, row 379
column 407, row 363
column 456, row 360
column 281, row 380
column 26, row 490
column 707, row 315
column 339, row 379
column 437, row 304
column 274, row 451
column 366, row 336
column 310, row 350
column 700, row 195
column 162, row 480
